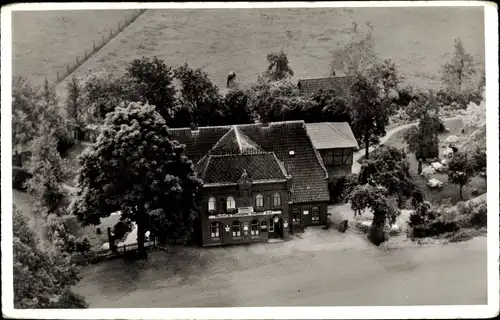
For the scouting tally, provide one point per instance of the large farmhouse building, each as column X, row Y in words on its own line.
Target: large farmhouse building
column 260, row 181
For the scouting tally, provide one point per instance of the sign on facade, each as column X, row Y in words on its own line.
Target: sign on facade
column 245, row 210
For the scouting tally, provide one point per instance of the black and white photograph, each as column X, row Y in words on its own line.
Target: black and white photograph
column 289, row 159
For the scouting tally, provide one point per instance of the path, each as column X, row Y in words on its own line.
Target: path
column 356, row 167
column 302, row 272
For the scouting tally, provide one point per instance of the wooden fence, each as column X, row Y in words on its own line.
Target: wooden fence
column 97, row 45
column 105, row 254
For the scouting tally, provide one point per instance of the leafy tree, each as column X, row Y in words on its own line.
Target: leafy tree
column 460, row 170
column 423, row 138
column 479, row 158
column 389, row 167
column 374, row 198
column 357, row 55
column 102, row 93
column 74, row 101
column 235, row 108
column 42, row 279
column 134, row 167
column 278, row 68
column 199, row 96
column 385, row 77
column 460, row 69
column 369, row 113
column 26, row 109
column 331, row 106
column 47, row 171
column 153, row 81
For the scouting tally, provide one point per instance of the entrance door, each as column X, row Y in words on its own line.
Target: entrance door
column 272, row 230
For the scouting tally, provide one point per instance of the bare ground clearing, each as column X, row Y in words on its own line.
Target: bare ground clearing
column 321, row 269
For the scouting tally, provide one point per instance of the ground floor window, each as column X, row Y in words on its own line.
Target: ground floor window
column 263, row 226
column 315, row 214
column 214, row 231
column 254, row 228
column 236, row 229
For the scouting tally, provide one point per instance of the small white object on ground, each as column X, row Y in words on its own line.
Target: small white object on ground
column 105, row 246
column 437, row 166
column 452, row 139
column 428, row 171
column 434, row 183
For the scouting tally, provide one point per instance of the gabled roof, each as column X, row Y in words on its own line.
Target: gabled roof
column 306, row 168
column 331, row 135
column 341, row 85
column 229, row 168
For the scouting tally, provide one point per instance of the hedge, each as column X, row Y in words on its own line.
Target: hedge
column 19, row 178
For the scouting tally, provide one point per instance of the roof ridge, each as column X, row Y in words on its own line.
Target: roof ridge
column 221, row 139
column 238, row 140
column 281, row 165
column 206, row 167
column 338, row 131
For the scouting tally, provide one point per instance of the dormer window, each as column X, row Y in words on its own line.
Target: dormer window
column 291, row 153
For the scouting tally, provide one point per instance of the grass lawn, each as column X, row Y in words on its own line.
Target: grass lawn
column 448, row 190
column 417, row 40
column 45, row 41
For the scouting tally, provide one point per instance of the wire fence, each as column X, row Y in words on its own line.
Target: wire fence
column 97, row 45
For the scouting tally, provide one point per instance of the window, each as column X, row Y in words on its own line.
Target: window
column 338, row 156
column 211, row 204
column 236, row 229
column 271, row 226
column 263, row 226
column 328, row 157
column 259, row 201
column 276, row 200
column 254, row 228
column 296, row 215
column 214, row 230
column 230, row 203
column 315, row 214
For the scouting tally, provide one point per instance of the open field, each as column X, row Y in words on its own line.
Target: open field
column 416, row 39
column 44, row 41
column 324, row 268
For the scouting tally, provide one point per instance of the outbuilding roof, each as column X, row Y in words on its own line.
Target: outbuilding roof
column 331, row 135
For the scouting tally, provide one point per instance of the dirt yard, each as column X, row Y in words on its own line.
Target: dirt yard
column 322, row 268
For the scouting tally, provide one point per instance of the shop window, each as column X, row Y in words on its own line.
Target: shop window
column 236, row 229
column 214, row 231
column 276, row 200
column 211, row 204
column 230, row 204
column 315, row 214
column 271, row 226
column 263, row 226
column 254, row 228
column 259, row 201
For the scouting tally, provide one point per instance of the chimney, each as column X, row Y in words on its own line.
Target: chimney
column 194, row 126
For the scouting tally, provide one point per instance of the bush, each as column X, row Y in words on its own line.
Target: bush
column 341, row 186
column 478, row 216
column 19, row 178
column 120, row 229
column 458, row 100
column 82, row 246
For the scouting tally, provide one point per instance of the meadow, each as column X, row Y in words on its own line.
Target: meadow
column 45, row 41
column 418, row 40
